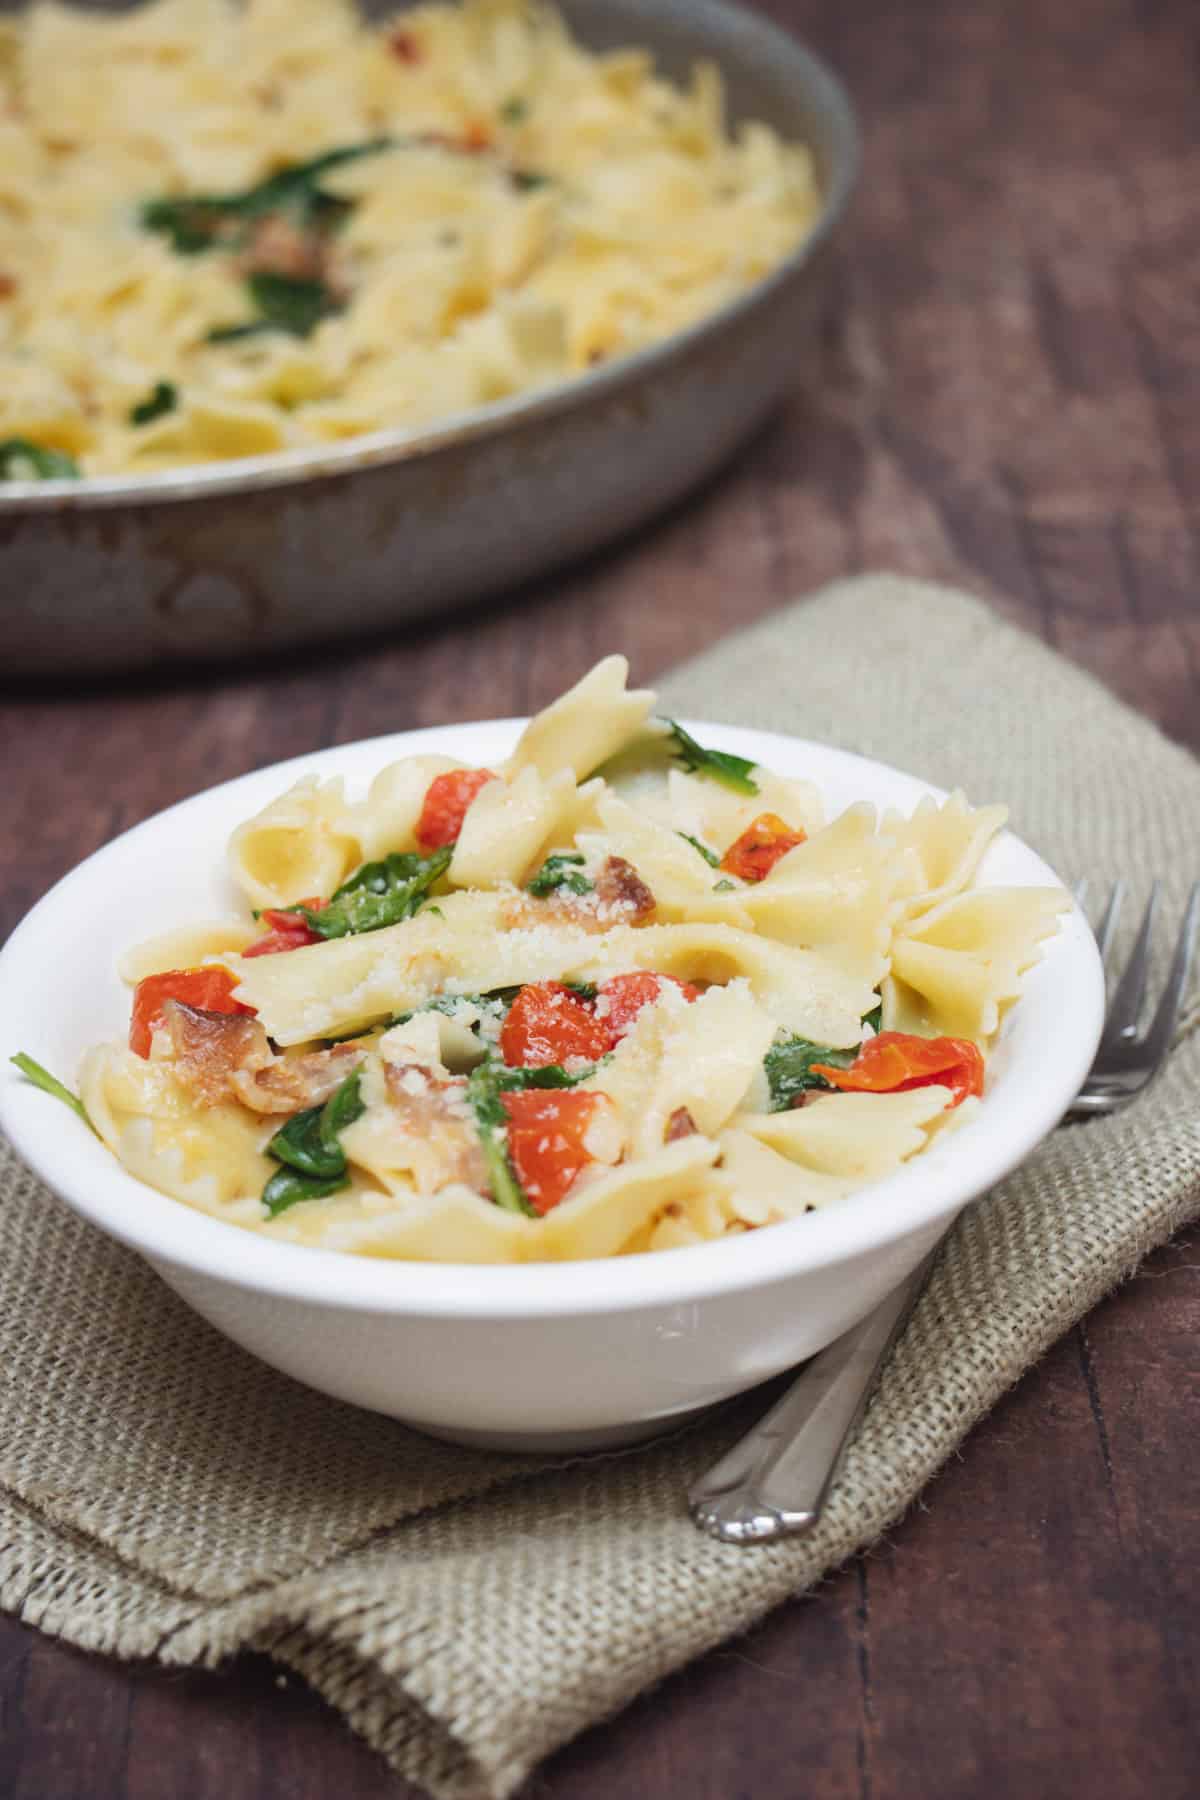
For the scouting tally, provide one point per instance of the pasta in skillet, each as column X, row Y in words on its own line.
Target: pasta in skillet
column 232, row 227
column 600, row 999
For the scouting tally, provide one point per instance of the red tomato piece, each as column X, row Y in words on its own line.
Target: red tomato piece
column 209, row 989
column 547, row 1023
column 289, row 931
column 546, row 1141
column 627, row 994
column 894, row 1062
column 446, row 802
column 753, row 855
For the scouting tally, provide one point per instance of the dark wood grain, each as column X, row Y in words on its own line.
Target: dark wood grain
column 1009, row 398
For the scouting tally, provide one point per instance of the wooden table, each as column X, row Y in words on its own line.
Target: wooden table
column 1010, row 399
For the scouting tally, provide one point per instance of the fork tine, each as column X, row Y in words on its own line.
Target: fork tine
column 1106, row 929
column 1162, row 1026
column 1126, row 1003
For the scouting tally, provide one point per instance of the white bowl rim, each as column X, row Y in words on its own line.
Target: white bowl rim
column 934, row 1185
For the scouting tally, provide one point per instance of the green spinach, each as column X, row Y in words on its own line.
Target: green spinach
column 544, row 1075
column 291, row 303
column 233, row 334
column 198, row 222
column 21, row 460
column 50, row 1084
column 563, row 869
column 379, row 894
column 788, row 1064
column 163, row 398
column 309, row 1146
column 491, row 1123
column 710, row 856
column 719, row 765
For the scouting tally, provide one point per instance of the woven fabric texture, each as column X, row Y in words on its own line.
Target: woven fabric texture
column 162, row 1494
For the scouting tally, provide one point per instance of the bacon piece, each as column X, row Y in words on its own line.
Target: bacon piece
column 618, row 884
column 621, row 898
column 404, row 46
column 293, row 1083
column 680, row 1125
column 226, row 1056
column 472, row 142
column 436, row 1111
column 525, row 912
column 278, row 247
column 210, row 1046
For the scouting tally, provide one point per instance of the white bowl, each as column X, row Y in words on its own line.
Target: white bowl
column 544, row 1356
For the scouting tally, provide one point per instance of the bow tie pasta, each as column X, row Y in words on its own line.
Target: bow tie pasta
column 232, row 227
column 619, row 993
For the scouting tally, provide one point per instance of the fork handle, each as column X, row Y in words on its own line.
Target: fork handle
column 775, row 1480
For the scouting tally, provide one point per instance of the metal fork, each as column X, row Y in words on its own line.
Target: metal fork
column 776, row 1480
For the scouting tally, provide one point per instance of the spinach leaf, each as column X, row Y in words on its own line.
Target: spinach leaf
column 299, row 1144
column 718, row 765
column 287, row 1188
column 21, row 460
column 582, row 990
column 343, row 1106
column 49, row 1084
column 497, row 1003
column 379, row 894
column 162, row 398
column 788, row 1064
column 561, row 870
column 526, row 180
column 232, row 334
column 710, row 856
column 514, row 111
column 197, row 222
column 545, row 1075
column 875, row 1017
column 491, row 1122
column 310, row 1147
column 288, row 303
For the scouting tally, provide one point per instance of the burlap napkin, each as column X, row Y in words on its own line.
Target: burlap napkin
column 164, row 1495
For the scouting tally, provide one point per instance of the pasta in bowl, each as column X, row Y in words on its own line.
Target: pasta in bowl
column 610, row 1001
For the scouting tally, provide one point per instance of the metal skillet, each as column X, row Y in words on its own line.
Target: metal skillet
column 251, row 557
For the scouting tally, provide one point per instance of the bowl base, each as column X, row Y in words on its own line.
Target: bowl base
column 556, row 1443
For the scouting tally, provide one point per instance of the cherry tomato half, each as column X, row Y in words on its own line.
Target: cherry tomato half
column 546, row 1141
column 753, row 855
column 446, row 801
column 547, row 1023
column 289, row 931
column 893, row 1062
column 627, row 994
